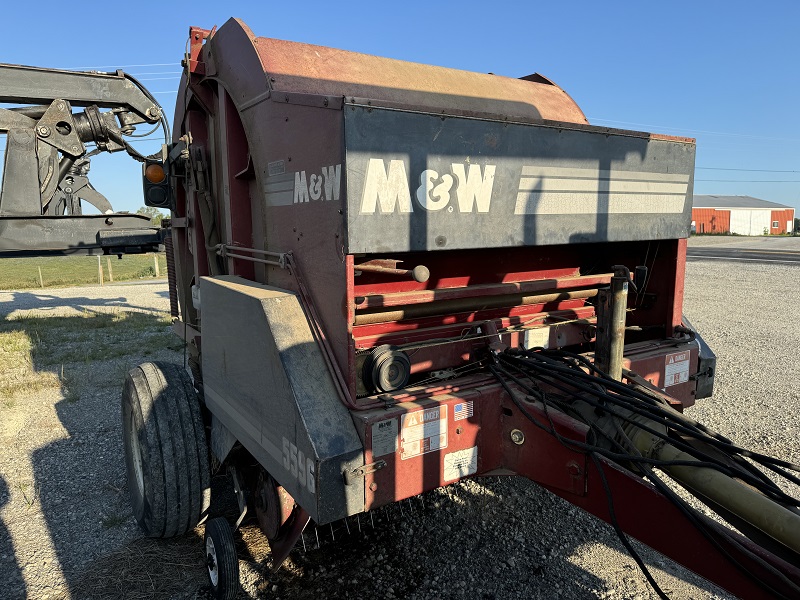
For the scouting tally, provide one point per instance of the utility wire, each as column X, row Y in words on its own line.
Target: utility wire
column 169, row 64
column 722, row 133
column 743, row 170
column 160, row 78
column 752, row 180
column 173, row 64
column 731, row 169
column 157, row 73
column 704, row 180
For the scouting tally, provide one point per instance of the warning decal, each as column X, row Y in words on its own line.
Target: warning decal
column 677, row 368
column 538, row 337
column 423, row 431
column 384, row 438
column 460, row 463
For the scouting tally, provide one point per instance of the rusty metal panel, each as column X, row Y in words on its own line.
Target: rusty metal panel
column 432, row 182
column 308, row 69
column 672, row 369
column 382, row 300
column 429, row 443
column 292, row 162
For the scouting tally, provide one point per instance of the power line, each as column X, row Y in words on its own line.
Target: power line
column 157, row 73
column 705, row 168
column 159, row 78
column 169, row 64
column 686, row 130
column 752, row 180
column 173, row 64
column 744, row 170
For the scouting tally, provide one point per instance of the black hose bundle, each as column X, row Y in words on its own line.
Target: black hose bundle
column 570, row 383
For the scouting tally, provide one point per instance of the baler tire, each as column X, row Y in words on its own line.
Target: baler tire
column 222, row 564
column 166, row 453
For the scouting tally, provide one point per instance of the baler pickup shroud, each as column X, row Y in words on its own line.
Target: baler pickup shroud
column 373, row 260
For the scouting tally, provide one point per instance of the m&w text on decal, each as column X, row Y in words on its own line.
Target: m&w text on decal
column 467, row 187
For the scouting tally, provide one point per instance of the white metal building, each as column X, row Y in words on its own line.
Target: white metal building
column 743, row 215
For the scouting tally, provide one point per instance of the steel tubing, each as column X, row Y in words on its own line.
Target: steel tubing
column 619, row 304
column 419, row 273
column 469, row 304
column 745, row 502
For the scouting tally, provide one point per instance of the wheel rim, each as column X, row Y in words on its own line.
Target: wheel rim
column 211, row 562
column 136, row 458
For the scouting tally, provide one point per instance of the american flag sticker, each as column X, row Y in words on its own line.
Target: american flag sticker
column 462, row 410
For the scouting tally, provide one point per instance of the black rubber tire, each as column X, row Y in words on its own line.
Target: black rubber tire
column 166, row 454
column 221, row 560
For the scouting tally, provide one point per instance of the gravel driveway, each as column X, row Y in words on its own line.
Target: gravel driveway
column 66, row 529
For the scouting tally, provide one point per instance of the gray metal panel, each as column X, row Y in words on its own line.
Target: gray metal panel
column 427, row 182
column 33, row 85
column 706, row 365
column 89, row 234
column 265, row 379
column 19, row 194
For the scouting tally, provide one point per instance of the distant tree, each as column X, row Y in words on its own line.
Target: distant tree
column 797, row 225
column 155, row 215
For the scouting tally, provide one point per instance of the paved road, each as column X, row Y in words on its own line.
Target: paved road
column 785, row 256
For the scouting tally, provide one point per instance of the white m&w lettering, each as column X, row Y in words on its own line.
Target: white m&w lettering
column 387, row 190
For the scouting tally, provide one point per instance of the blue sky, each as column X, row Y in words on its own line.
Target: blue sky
column 723, row 72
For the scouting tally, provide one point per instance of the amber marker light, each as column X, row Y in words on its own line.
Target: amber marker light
column 154, row 173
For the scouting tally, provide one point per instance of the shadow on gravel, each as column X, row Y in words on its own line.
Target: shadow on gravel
column 27, row 300
column 487, row 539
column 80, row 475
column 147, row 568
column 12, row 582
column 432, row 546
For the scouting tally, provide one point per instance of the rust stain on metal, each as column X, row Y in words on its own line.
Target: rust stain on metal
column 305, row 68
column 672, row 138
column 381, row 300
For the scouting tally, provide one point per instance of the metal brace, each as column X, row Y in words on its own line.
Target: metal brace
column 230, row 251
column 444, row 374
column 240, row 497
column 361, row 472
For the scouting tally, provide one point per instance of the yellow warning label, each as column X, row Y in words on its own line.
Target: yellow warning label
column 423, row 431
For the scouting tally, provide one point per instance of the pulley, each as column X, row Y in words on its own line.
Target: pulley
column 387, row 369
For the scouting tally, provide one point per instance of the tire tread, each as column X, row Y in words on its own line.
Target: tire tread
column 162, row 401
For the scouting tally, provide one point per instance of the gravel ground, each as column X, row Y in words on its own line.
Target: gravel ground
column 772, row 242
column 66, row 529
column 149, row 297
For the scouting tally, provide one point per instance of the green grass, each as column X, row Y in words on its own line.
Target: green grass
column 40, row 353
column 112, row 521
column 59, row 340
column 64, row 271
column 29, row 495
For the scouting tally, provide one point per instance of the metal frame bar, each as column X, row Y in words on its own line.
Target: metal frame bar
column 105, row 90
